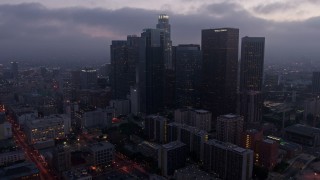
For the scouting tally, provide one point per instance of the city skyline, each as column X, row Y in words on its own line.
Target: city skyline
column 82, row 32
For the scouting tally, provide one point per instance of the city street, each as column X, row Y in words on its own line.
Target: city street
column 31, row 153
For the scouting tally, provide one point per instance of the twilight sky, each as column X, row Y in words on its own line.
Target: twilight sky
column 82, row 30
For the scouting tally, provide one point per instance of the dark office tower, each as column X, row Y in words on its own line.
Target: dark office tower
column 219, row 68
column 119, row 69
column 316, row 82
column 188, row 68
column 230, row 128
column 169, row 78
column 151, row 71
column 251, row 75
column 133, row 43
column 14, row 69
column 251, row 64
column 88, row 78
column 124, row 59
column 163, row 24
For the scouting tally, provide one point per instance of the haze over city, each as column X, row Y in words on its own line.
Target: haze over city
column 80, row 30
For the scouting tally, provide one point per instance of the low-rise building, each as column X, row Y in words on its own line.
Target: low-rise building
column 121, row 106
column 266, row 153
column 47, row 128
column 304, row 135
column 77, row 174
column 102, row 153
column 192, row 172
column 24, row 170
column 11, row 156
column 90, row 117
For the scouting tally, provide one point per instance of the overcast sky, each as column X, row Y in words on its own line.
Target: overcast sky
column 82, row 30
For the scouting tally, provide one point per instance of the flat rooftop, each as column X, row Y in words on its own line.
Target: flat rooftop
column 173, row 145
column 101, row 146
column 18, row 170
column 303, row 130
column 227, row 146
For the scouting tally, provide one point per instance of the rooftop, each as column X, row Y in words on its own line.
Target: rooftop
column 303, row 130
column 18, row 170
column 101, row 146
column 173, row 145
column 227, row 146
column 76, row 174
column 230, row 116
column 201, row 111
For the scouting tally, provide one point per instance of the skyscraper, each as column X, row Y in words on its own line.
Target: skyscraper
column 119, row 69
column 124, row 60
column 151, row 71
column 316, row 82
column 188, row 68
column 14, row 69
column 251, row 74
column 169, row 74
column 219, row 68
column 163, row 24
column 228, row 160
column 88, row 78
column 251, row 64
column 230, row 128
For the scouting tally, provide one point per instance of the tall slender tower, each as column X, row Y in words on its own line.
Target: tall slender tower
column 124, row 60
column 219, row 68
column 188, row 68
column 251, row 66
column 251, row 74
column 169, row 65
column 151, row 71
column 119, row 69
column 163, row 24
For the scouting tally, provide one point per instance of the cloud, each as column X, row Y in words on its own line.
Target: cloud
column 273, row 7
column 33, row 32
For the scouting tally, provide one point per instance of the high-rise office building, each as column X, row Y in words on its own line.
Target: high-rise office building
column 316, row 82
column 133, row 43
column 169, row 75
column 88, row 78
column 163, row 24
column 188, row 69
column 228, row 160
column 155, row 128
column 173, row 156
column 251, row 106
column 251, row 76
column 219, row 68
column 119, row 69
column 198, row 118
column 230, row 128
column 191, row 136
column 124, row 60
column 251, row 64
column 14, row 69
column 151, row 71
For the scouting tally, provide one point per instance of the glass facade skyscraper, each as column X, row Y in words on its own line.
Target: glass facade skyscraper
column 219, row 67
column 251, row 75
column 151, row 71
